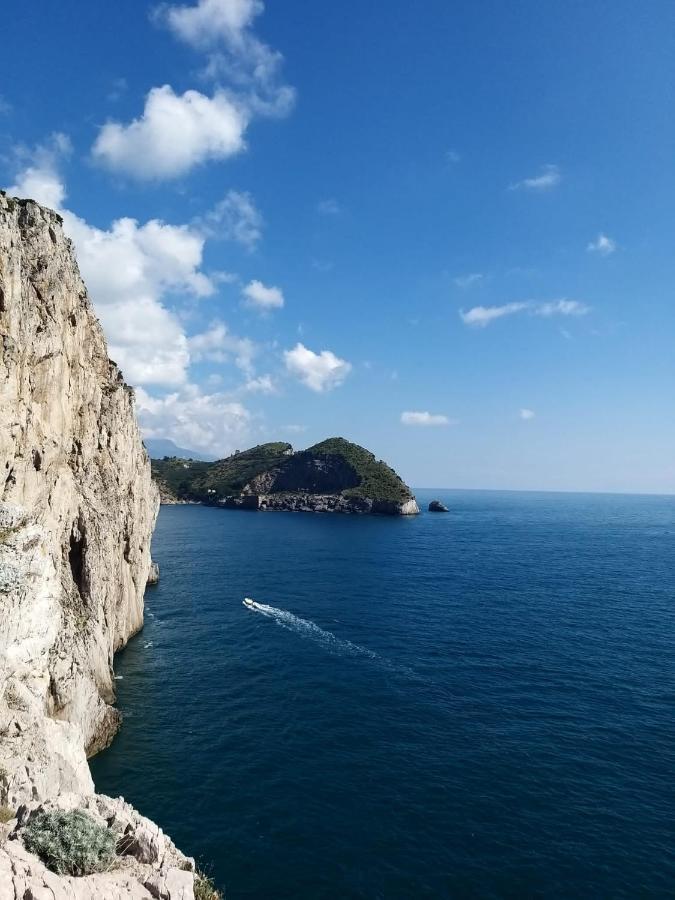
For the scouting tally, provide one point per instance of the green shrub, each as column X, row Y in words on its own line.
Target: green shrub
column 205, row 889
column 70, row 843
column 6, row 814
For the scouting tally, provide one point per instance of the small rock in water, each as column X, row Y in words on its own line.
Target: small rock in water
column 153, row 574
column 437, row 506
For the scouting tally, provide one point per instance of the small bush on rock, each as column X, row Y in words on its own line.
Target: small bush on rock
column 205, row 888
column 6, row 814
column 70, row 843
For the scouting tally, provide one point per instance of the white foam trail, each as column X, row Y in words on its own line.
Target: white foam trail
column 308, row 629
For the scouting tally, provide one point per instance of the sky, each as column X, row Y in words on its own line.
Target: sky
column 442, row 230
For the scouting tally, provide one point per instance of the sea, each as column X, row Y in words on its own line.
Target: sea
column 478, row 703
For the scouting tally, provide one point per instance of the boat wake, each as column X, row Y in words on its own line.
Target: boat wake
column 308, row 629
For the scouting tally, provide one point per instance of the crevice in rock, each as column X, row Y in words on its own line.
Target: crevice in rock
column 76, row 556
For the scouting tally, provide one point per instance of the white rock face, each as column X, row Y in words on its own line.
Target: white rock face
column 77, row 509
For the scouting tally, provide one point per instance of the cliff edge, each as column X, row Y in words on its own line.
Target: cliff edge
column 77, row 510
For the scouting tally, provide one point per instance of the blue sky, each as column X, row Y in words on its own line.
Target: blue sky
column 443, row 230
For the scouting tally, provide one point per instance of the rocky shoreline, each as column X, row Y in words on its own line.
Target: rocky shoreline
column 320, row 503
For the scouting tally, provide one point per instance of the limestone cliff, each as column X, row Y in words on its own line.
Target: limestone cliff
column 77, row 509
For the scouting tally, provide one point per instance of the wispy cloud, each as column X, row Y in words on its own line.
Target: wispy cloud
column 425, row 419
column 602, row 245
column 526, row 414
column 546, row 180
column 322, row 265
column 481, row 316
column 328, row 207
column 561, row 308
column 217, row 344
column 452, row 157
column 262, row 384
column 235, row 218
column 466, row 281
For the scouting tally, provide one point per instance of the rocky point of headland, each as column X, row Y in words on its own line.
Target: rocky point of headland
column 335, row 475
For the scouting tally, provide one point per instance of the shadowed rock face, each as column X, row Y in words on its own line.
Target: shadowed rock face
column 77, row 510
column 308, row 474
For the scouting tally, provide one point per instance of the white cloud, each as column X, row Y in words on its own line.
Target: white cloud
column 425, row 419
column 329, row 207
column 209, row 422
column 129, row 269
column 318, row 371
column 526, row 414
column 218, row 345
column 466, row 281
column 235, row 218
column 602, row 245
column 295, row 429
column 222, row 28
column 481, row 316
column 262, row 297
column 211, row 21
column 41, row 185
column 548, row 178
column 5, row 106
column 40, row 180
column 174, row 134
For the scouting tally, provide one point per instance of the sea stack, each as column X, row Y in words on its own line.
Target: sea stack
column 437, row 506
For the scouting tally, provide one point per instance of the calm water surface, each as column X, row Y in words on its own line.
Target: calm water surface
column 476, row 704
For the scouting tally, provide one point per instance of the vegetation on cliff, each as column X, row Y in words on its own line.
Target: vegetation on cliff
column 378, row 481
column 333, row 466
column 191, row 479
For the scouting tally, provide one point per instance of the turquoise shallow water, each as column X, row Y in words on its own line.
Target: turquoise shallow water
column 475, row 704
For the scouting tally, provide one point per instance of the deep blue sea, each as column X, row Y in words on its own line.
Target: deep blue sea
column 472, row 704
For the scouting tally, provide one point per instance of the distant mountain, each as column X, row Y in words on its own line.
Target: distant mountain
column 333, row 476
column 158, row 448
